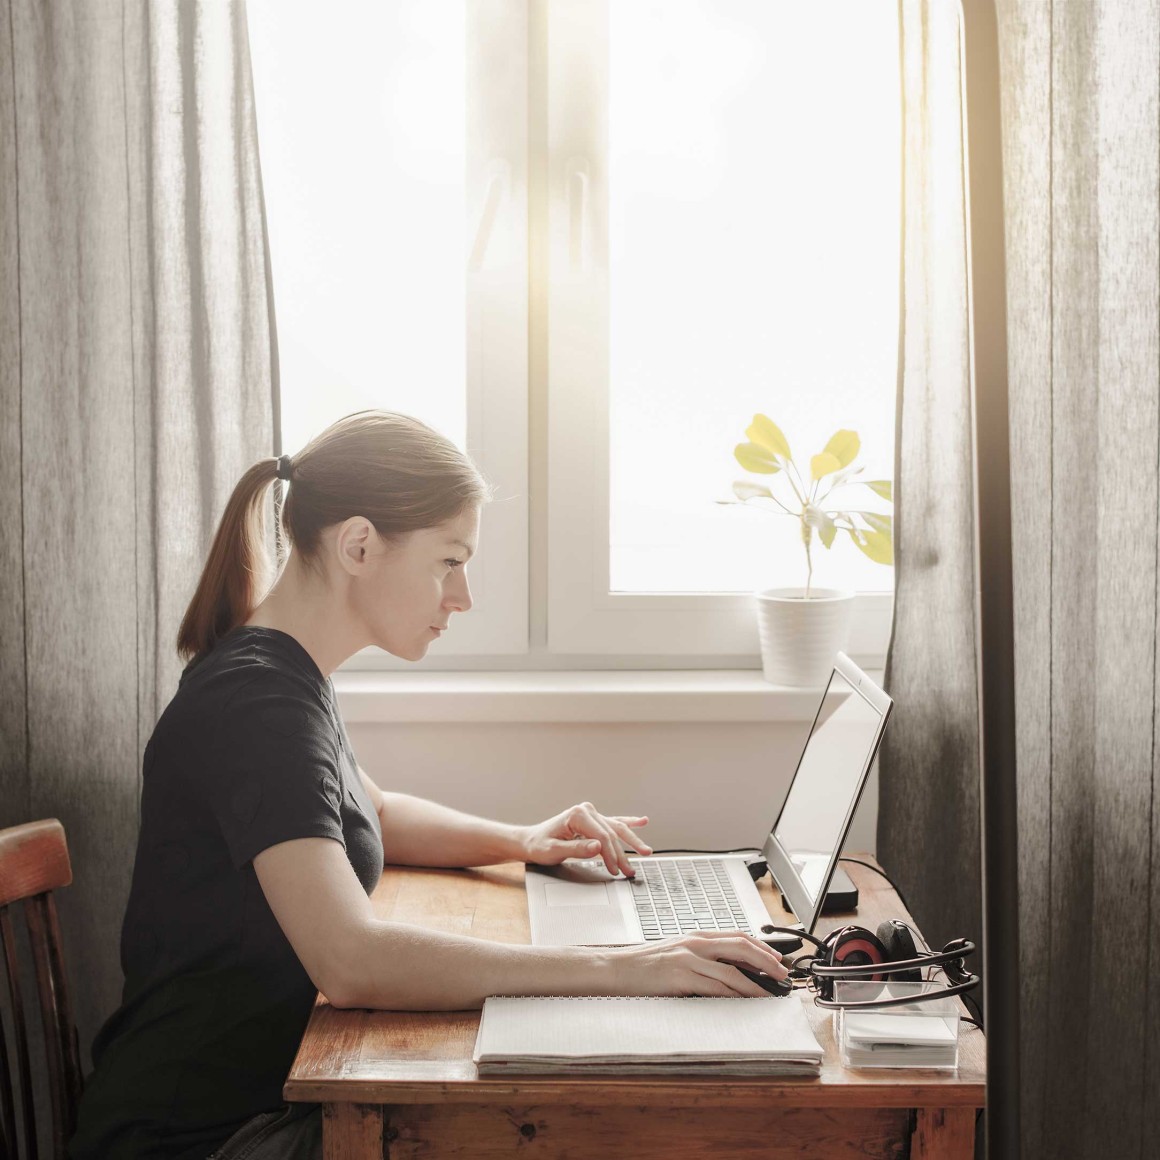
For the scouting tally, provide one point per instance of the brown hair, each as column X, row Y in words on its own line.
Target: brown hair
column 397, row 472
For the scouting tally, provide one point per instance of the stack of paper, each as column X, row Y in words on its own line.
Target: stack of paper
column 885, row 1040
column 637, row 1035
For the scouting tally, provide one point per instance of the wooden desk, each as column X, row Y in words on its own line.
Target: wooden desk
column 402, row 1085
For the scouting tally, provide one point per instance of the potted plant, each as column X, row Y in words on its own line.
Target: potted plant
column 802, row 628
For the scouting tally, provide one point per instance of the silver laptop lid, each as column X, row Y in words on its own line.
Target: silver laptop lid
column 806, row 840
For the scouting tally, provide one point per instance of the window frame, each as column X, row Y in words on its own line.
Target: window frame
column 583, row 616
column 537, row 383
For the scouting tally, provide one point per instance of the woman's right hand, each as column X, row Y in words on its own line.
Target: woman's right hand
column 693, row 964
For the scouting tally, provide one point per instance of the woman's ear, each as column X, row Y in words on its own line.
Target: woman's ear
column 353, row 543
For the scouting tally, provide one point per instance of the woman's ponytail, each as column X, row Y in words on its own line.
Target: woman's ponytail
column 237, row 570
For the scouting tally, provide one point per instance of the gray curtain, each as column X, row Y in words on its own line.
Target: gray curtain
column 1082, row 159
column 928, row 819
column 136, row 384
column 1081, row 156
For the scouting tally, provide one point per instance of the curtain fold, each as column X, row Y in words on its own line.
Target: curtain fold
column 928, row 818
column 1081, row 158
column 136, row 385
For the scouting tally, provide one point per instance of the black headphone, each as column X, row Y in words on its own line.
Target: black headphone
column 852, row 952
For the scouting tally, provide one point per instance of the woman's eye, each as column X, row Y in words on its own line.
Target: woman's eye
column 453, row 563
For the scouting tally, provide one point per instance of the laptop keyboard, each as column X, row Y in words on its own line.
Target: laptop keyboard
column 683, row 897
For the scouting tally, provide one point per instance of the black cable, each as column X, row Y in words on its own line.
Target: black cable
column 978, row 1019
column 763, row 867
column 894, row 885
column 757, row 868
column 755, row 850
column 742, row 850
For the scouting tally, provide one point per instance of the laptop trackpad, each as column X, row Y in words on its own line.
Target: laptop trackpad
column 575, row 894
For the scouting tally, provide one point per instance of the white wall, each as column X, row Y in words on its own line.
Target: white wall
column 703, row 785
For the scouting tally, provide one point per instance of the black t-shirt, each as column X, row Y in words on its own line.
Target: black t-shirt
column 249, row 753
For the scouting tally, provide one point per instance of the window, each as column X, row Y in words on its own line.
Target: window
column 377, row 185
column 634, row 223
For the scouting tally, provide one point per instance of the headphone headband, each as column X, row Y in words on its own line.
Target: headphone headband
column 950, row 953
column 968, row 984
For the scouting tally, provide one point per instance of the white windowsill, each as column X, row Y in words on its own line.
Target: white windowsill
column 729, row 695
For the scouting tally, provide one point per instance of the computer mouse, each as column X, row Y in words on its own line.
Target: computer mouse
column 778, row 987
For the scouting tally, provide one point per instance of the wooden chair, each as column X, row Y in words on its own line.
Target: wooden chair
column 34, row 862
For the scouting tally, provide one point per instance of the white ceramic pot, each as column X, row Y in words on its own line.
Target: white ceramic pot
column 799, row 637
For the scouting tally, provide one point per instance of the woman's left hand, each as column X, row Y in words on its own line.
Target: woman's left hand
column 584, row 832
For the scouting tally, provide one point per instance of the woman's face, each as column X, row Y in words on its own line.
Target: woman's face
column 414, row 585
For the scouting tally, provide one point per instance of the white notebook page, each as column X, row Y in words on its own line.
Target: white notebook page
column 627, row 1028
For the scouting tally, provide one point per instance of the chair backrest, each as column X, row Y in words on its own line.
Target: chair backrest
column 33, row 863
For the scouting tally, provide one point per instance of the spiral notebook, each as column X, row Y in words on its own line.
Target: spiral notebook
column 645, row 1035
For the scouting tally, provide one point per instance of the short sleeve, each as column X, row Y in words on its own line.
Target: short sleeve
column 275, row 775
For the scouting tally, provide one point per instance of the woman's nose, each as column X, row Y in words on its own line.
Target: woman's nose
column 459, row 597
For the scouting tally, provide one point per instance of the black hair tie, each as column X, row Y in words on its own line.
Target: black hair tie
column 284, row 467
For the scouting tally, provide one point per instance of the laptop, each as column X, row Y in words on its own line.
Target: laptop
column 579, row 903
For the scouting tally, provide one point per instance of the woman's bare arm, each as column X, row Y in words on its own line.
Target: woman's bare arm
column 417, row 832
column 423, row 833
column 359, row 960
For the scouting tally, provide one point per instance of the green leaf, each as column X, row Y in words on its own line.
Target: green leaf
column 824, row 464
column 843, row 446
column 878, row 546
column 744, row 490
column 884, row 487
column 754, row 457
column 766, row 433
column 877, row 521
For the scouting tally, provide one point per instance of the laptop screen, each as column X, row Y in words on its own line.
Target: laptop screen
column 806, row 841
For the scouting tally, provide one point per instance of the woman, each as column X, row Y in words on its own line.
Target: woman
column 261, row 838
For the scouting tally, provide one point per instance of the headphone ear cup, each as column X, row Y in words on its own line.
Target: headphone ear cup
column 854, row 946
column 896, row 938
column 849, row 946
column 954, row 969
